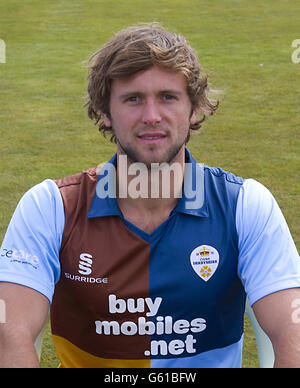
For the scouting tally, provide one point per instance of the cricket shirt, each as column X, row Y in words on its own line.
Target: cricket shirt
column 174, row 298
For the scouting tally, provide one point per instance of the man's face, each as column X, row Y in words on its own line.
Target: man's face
column 150, row 113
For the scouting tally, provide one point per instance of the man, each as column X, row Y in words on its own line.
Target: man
column 138, row 275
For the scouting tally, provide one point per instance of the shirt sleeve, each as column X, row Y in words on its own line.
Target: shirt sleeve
column 268, row 258
column 29, row 253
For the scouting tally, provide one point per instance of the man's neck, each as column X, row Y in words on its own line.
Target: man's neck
column 147, row 196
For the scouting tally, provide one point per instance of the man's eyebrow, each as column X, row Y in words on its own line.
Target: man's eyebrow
column 160, row 92
column 129, row 94
column 171, row 91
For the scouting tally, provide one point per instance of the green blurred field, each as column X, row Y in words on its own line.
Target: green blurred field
column 245, row 46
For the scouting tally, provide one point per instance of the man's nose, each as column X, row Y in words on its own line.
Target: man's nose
column 151, row 114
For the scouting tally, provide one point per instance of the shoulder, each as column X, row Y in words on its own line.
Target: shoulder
column 222, row 186
column 258, row 214
column 73, row 186
column 256, row 207
column 219, row 174
column 255, row 191
column 77, row 178
column 268, row 258
column 33, row 239
column 43, row 196
column 256, row 203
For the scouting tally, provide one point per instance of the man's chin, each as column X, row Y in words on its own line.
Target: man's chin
column 151, row 156
column 153, row 160
column 146, row 159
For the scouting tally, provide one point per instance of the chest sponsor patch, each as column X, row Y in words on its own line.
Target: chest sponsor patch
column 205, row 261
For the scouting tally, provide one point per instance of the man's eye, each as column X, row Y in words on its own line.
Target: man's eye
column 132, row 99
column 168, row 97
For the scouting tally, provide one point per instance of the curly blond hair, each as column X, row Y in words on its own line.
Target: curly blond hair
column 138, row 48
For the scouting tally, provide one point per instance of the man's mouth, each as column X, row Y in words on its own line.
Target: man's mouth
column 152, row 137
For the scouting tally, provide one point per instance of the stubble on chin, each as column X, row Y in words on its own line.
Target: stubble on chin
column 134, row 157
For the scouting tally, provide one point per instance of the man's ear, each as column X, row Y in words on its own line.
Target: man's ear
column 106, row 119
column 194, row 116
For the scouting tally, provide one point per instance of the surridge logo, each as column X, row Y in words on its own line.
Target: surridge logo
column 85, row 268
column 85, row 264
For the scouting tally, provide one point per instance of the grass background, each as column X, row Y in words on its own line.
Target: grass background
column 244, row 45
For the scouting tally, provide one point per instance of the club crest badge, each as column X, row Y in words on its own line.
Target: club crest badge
column 205, row 261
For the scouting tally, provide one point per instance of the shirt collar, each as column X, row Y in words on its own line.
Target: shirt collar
column 192, row 201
